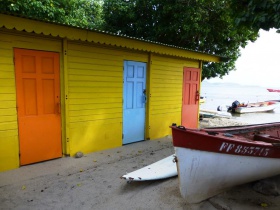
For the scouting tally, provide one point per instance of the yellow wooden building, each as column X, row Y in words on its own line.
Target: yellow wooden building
column 65, row 89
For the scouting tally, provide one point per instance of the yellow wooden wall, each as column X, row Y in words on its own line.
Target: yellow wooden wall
column 166, row 80
column 9, row 140
column 91, row 93
column 9, row 155
column 95, row 86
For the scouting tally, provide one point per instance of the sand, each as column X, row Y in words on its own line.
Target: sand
column 218, row 122
column 93, row 182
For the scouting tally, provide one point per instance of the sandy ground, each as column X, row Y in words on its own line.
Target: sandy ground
column 218, row 122
column 93, row 182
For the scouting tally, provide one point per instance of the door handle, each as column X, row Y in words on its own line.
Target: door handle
column 197, row 96
column 144, row 96
column 144, row 99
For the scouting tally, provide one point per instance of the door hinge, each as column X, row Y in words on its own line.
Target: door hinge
column 122, row 136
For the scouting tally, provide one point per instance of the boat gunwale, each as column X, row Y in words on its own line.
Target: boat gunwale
column 201, row 139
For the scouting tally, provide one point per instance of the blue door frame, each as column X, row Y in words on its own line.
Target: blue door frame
column 134, row 101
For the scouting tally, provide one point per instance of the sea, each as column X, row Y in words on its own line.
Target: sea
column 224, row 94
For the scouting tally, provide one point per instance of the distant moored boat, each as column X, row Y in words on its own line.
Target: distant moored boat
column 273, row 90
column 264, row 106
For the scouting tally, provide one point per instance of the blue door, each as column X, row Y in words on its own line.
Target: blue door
column 134, row 101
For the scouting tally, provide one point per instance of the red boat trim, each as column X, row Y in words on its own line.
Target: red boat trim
column 245, row 140
column 273, row 90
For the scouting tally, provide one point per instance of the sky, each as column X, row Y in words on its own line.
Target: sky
column 259, row 63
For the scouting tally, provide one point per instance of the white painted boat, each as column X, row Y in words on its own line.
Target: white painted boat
column 212, row 114
column 161, row 169
column 265, row 106
column 210, row 161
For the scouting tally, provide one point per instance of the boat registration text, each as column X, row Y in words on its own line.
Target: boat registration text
column 244, row 150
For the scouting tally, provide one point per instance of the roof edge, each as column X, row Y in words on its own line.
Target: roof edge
column 30, row 25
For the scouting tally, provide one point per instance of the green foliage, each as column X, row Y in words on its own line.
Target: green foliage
column 259, row 14
column 81, row 13
column 210, row 26
column 202, row 25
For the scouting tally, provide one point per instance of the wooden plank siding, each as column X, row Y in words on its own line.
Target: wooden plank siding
column 95, row 86
column 91, row 84
column 166, row 94
column 9, row 149
column 98, row 37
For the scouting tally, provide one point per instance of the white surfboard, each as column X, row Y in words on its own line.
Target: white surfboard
column 162, row 169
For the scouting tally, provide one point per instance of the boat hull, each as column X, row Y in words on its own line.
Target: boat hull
column 212, row 160
column 204, row 174
column 242, row 110
column 264, row 106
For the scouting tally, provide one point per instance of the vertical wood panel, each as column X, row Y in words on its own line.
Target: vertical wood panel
column 30, row 97
column 64, row 98
column 9, row 147
column 49, row 96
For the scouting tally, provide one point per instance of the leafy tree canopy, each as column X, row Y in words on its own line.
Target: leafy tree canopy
column 259, row 14
column 81, row 13
column 203, row 25
column 210, row 26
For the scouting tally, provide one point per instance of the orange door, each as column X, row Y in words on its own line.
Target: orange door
column 190, row 97
column 38, row 105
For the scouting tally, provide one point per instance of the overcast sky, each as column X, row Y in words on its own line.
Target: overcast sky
column 259, row 63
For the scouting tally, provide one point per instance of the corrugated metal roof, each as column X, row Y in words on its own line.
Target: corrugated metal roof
column 10, row 21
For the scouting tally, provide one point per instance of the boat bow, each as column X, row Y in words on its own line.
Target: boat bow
column 210, row 161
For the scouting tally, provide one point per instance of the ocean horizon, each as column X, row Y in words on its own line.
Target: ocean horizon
column 224, row 94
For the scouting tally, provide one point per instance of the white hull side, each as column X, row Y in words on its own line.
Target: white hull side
column 255, row 109
column 205, row 174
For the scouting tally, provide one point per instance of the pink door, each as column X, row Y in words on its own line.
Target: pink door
column 38, row 105
column 191, row 81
